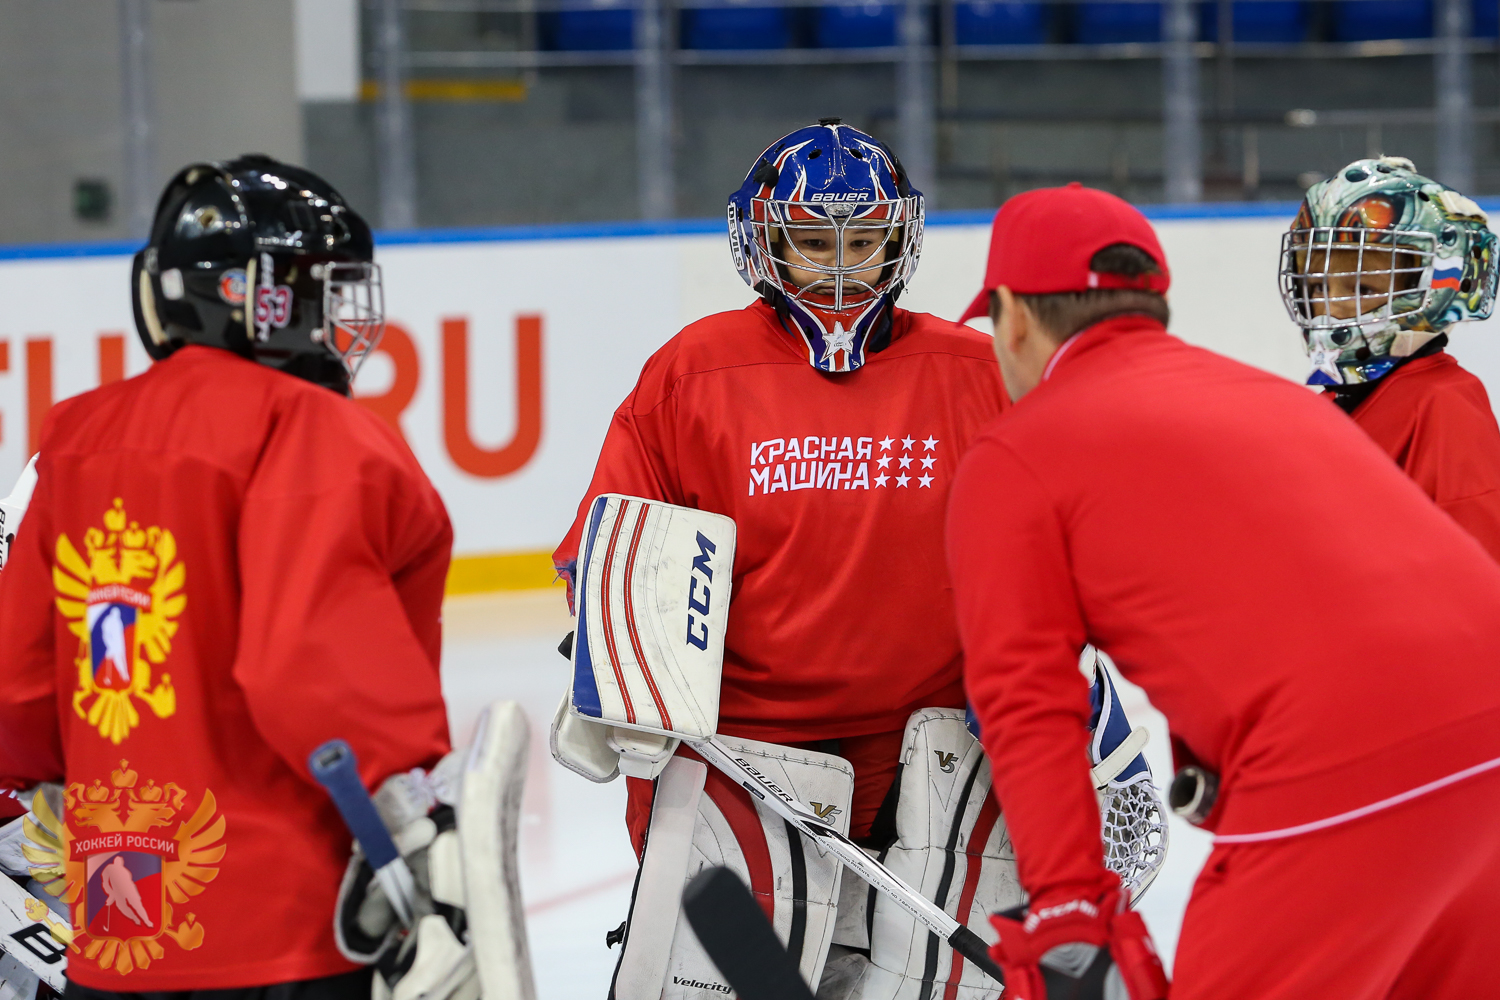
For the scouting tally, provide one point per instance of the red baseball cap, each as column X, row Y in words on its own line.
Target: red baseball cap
column 1042, row 242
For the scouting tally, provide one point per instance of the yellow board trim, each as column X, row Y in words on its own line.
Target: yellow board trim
column 429, row 89
column 479, row 574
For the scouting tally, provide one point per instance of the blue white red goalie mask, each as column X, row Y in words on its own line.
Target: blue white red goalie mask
column 827, row 228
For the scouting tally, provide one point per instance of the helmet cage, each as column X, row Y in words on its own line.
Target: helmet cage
column 839, row 287
column 1307, row 271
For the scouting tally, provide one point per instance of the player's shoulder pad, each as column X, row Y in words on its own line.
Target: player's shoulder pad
column 722, row 340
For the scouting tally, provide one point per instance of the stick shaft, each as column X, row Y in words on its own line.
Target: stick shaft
column 335, row 767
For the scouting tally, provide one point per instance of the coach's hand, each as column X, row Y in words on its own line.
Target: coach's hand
column 1078, row 949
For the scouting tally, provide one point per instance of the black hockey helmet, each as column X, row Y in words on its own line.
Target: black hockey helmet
column 263, row 259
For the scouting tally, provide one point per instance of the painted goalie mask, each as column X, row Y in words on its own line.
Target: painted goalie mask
column 827, row 228
column 1379, row 261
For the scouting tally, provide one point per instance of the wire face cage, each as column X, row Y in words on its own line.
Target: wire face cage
column 353, row 312
column 1135, row 833
column 1336, row 276
column 857, row 275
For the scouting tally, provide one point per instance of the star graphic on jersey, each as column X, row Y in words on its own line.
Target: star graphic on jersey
column 905, row 461
column 929, row 443
column 908, row 442
column 883, row 461
column 902, row 480
column 927, row 462
column 881, row 479
column 925, row 480
column 840, row 339
column 886, row 444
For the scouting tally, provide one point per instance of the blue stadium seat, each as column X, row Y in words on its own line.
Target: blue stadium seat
column 735, row 27
column 1105, row 23
column 987, row 23
column 1486, row 18
column 1367, row 20
column 855, row 26
column 1258, row 21
column 587, row 29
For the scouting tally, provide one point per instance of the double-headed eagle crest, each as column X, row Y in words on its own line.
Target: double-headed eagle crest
column 122, row 878
column 121, row 597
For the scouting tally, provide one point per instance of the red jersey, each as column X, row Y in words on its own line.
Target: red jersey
column 1315, row 630
column 222, row 567
column 1435, row 420
column 842, row 619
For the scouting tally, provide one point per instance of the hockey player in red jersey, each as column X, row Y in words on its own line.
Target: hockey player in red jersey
column 1379, row 265
column 826, row 421
column 225, row 563
column 1320, row 637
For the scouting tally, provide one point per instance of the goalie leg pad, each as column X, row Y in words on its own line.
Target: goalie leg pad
column 489, row 816
column 699, row 819
column 951, row 845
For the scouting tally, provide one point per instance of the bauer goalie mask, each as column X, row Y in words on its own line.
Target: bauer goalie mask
column 1380, row 261
column 263, row 259
column 827, row 229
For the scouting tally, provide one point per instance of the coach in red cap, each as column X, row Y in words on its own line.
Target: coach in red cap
column 1323, row 640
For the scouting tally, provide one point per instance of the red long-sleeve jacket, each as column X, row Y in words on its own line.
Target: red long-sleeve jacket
column 842, row 619
column 222, row 567
column 1434, row 418
column 1315, row 630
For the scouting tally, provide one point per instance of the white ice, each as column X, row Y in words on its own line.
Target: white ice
column 576, row 862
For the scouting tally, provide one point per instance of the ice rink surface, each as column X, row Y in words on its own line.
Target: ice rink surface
column 576, row 863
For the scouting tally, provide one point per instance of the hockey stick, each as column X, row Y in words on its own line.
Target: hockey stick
column 733, row 929
column 31, row 936
column 337, row 770
column 929, row 914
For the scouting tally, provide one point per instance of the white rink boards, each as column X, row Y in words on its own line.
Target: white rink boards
column 576, row 861
column 510, row 350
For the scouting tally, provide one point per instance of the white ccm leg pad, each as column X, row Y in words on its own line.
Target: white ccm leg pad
column 952, row 846
column 653, row 601
column 700, row 818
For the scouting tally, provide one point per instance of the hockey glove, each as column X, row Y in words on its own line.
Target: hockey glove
column 431, row 959
column 1078, row 949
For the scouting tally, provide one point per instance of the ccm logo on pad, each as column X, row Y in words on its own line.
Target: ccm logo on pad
column 701, row 568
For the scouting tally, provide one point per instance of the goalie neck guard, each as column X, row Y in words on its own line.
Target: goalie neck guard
column 827, row 229
column 1379, row 262
column 263, row 259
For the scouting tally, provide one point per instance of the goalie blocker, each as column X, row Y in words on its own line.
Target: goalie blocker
column 653, row 578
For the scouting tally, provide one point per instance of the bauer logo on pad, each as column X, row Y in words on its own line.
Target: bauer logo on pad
column 653, row 602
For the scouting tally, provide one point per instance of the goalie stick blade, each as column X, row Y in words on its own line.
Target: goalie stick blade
column 733, row 929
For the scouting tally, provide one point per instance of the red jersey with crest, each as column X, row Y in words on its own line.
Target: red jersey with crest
column 842, row 619
column 222, row 567
column 1434, row 419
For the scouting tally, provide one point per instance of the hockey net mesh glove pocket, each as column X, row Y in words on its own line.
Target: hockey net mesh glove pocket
column 1078, row 949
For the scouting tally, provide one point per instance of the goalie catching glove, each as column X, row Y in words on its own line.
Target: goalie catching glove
column 1078, row 949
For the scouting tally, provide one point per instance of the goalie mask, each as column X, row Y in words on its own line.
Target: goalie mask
column 1380, row 261
column 263, row 259
column 827, row 229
